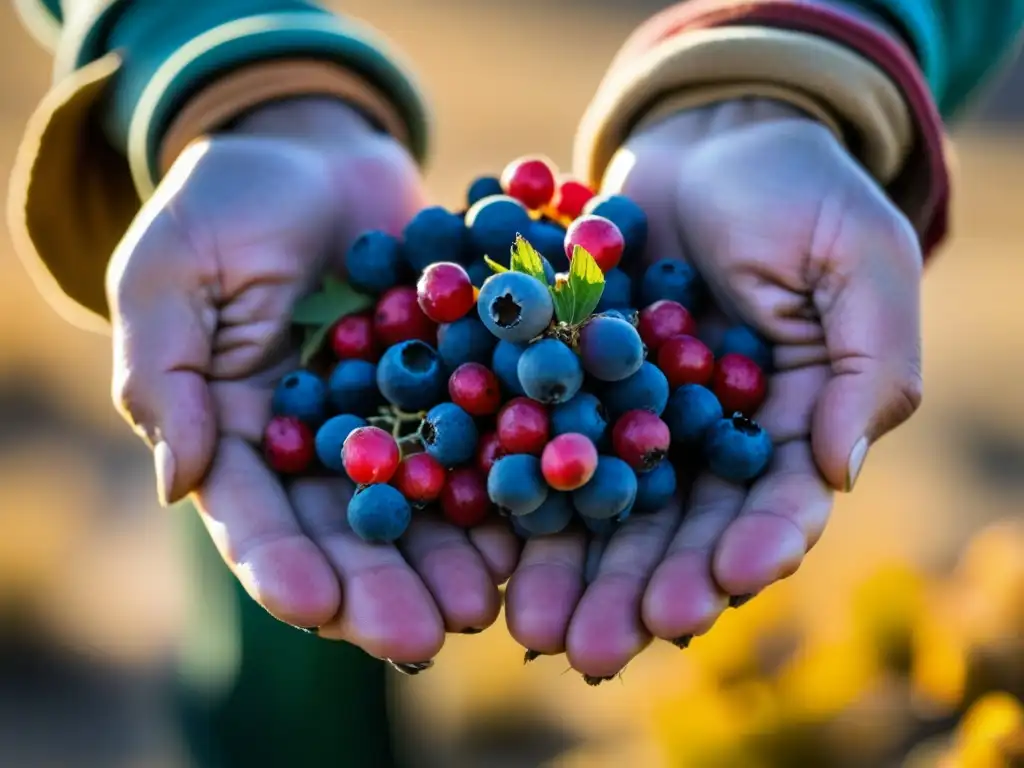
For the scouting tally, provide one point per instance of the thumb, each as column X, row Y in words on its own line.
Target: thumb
column 163, row 327
column 868, row 298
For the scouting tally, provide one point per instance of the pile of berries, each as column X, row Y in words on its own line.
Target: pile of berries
column 498, row 361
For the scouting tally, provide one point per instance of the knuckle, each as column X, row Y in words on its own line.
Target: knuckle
column 908, row 394
column 129, row 400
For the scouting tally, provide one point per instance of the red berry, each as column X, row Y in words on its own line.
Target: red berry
column 569, row 461
column 370, row 455
column 572, row 196
column 523, row 426
column 488, row 451
column 740, row 384
column 398, row 317
column 420, row 477
column 445, row 292
column 641, row 439
column 352, row 338
column 530, row 180
column 288, row 445
column 662, row 320
column 599, row 237
column 475, row 389
column 686, row 360
column 464, row 500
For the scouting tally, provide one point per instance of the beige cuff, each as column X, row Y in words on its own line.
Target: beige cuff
column 701, row 67
column 233, row 94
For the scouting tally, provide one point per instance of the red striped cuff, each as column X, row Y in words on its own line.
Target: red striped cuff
column 922, row 189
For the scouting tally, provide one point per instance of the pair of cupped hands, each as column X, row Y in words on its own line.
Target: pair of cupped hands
column 790, row 234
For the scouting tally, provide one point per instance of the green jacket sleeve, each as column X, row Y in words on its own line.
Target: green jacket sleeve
column 123, row 71
column 958, row 43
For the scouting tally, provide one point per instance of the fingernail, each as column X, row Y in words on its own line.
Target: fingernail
column 856, row 463
column 410, row 668
column 682, row 642
column 470, row 631
column 594, row 680
column 531, row 656
column 163, row 462
column 737, row 600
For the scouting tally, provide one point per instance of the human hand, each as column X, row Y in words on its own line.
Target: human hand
column 201, row 291
column 795, row 239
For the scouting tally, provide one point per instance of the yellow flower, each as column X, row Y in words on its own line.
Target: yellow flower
column 992, row 720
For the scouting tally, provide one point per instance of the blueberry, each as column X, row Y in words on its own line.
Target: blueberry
column 655, row 489
column 618, row 291
column 604, row 527
column 553, row 516
column 478, row 272
column 493, row 224
column 301, row 394
column 379, row 513
column 483, row 186
column 411, row 376
column 744, row 340
column 352, row 388
column 691, row 411
column 628, row 217
column 610, row 492
column 331, row 436
column 505, row 364
column 738, row 449
column 517, row 528
column 434, row 234
column 549, row 241
column 549, row 271
column 610, row 348
column 467, row 340
column 514, row 306
column 672, row 279
column 645, row 390
column 516, row 485
column 374, row 262
column 628, row 314
column 583, row 414
column 449, row 434
column 550, row 372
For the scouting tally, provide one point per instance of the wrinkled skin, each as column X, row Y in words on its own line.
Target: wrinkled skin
column 794, row 238
column 201, row 290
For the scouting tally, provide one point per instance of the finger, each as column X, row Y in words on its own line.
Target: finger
column 606, row 630
column 868, row 297
column 682, row 599
column 544, row 590
column 162, row 328
column 782, row 518
column 454, row 572
column 498, row 546
column 250, row 519
column 387, row 610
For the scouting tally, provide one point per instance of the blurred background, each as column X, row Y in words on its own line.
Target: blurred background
column 899, row 643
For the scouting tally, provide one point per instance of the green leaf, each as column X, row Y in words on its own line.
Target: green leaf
column 525, row 259
column 318, row 312
column 495, row 266
column 313, row 341
column 577, row 298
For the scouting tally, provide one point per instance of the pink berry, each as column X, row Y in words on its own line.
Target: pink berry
column 445, row 292
column 352, row 338
column 475, row 389
column 288, row 445
column 568, row 461
column 420, row 477
column 488, row 451
column 523, row 426
column 398, row 317
column 661, row 321
column 599, row 237
column 641, row 439
column 740, row 384
column 464, row 500
column 370, row 455
column 530, row 180
column 686, row 360
column 572, row 196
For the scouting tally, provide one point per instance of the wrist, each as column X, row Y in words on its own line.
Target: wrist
column 318, row 120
